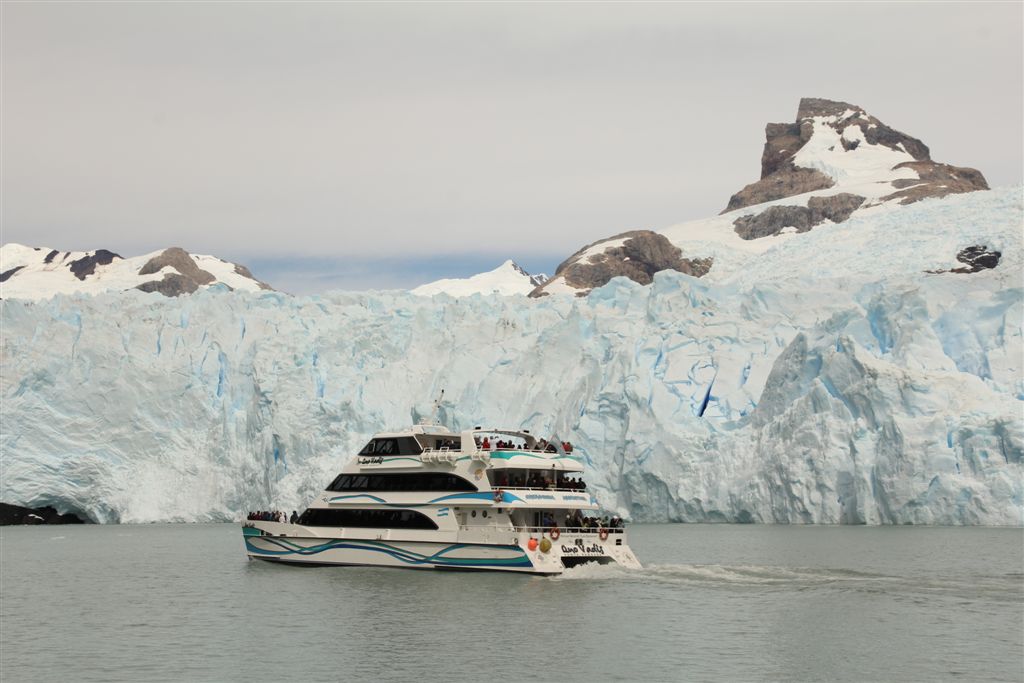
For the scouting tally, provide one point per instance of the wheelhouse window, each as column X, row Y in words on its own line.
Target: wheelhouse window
column 409, row 481
column 399, row 445
column 369, row 519
column 439, row 444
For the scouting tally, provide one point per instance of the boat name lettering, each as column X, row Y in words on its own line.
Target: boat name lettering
column 581, row 548
column 376, row 460
column 576, row 498
column 540, row 495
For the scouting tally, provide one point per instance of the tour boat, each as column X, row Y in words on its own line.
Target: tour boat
column 431, row 498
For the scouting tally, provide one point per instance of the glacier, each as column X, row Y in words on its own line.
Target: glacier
column 832, row 380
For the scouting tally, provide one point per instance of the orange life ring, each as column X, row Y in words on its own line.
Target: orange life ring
column 603, row 534
column 555, row 533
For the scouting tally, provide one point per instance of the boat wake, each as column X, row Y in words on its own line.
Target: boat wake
column 767, row 577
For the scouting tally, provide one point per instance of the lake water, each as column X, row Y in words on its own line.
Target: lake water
column 717, row 602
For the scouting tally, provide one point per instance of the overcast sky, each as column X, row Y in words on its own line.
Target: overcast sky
column 369, row 145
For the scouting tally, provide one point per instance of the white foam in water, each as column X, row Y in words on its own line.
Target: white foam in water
column 753, row 575
column 771, row 578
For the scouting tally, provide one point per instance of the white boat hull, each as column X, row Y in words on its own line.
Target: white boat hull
column 286, row 543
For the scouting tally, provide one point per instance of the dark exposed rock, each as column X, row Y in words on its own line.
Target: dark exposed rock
column 772, row 220
column 245, row 272
column 836, row 208
column 86, row 266
column 880, row 134
column 975, row 258
column 179, row 259
column 16, row 514
column 781, row 141
column 50, row 256
column 936, row 180
column 643, row 254
column 787, row 181
column 4, row 276
column 172, row 284
column 979, row 257
column 186, row 281
column 816, row 106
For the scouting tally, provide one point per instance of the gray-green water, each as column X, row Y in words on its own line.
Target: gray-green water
column 181, row 602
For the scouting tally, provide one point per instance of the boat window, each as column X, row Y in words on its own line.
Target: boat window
column 408, row 481
column 400, row 445
column 370, row 519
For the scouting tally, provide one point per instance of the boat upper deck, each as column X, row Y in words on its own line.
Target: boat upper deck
column 493, row 448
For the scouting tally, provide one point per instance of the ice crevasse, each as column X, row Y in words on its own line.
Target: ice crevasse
column 851, row 398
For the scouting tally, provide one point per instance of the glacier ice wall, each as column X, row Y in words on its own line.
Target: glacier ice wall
column 794, row 400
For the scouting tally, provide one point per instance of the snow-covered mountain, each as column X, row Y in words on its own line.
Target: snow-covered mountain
column 40, row 273
column 847, row 377
column 835, row 162
column 508, row 279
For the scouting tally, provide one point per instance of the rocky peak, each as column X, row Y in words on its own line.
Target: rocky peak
column 637, row 254
column 833, row 142
column 832, row 162
column 37, row 273
column 535, row 280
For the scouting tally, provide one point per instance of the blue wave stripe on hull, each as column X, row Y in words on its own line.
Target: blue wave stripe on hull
column 406, row 556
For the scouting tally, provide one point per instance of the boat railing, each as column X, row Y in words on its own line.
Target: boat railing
column 545, row 529
column 459, row 449
column 570, row 529
column 536, row 488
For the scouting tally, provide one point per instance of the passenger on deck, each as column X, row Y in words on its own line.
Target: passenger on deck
column 486, row 445
column 294, row 518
